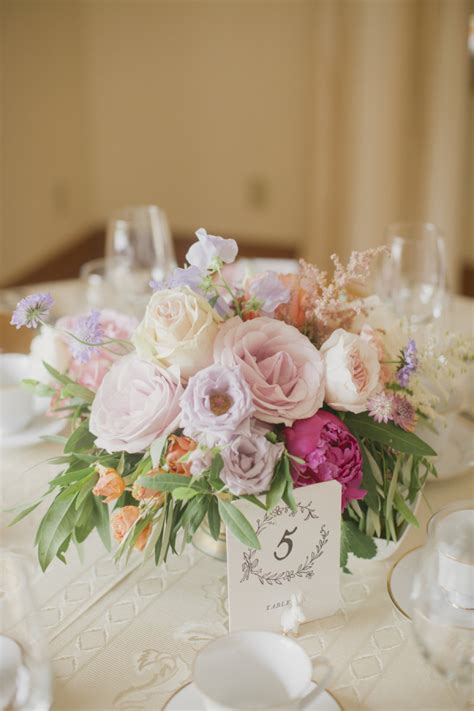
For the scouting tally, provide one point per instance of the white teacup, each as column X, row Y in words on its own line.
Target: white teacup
column 256, row 670
column 17, row 407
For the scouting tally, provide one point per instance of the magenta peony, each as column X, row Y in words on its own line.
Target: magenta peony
column 329, row 451
column 283, row 368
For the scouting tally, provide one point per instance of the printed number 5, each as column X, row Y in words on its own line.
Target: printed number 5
column 288, row 542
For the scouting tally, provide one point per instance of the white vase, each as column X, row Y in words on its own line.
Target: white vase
column 385, row 549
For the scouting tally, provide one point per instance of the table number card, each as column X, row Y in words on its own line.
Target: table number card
column 299, row 554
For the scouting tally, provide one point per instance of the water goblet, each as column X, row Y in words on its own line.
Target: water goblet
column 443, row 597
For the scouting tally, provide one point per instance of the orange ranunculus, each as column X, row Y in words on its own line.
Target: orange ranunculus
column 142, row 493
column 123, row 519
column 110, row 484
column 294, row 311
column 177, row 448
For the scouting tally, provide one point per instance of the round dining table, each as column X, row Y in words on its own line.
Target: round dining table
column 126, row 637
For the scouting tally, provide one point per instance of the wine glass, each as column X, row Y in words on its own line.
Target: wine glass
column 443, row 597
column 413, row 278
column 138, row 249
column 25, row 674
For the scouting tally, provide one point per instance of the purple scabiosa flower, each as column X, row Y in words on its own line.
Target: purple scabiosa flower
column 215, row 404
column 403, row 413
column 409, row 358
column 32, row 310
column 86, row 337
column 268, row 290
column 380, row 406
column 211, row 251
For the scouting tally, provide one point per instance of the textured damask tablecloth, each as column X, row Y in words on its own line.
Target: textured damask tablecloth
column 126, row 639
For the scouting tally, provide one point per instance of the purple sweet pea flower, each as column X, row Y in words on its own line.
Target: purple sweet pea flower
column 86, row 337
column 269, row 291
column 249, row 463
column 156, row 285
column 329, row 452
column 32, row 310
column 216, row 403
column 409, row 363
column 192, row 277
column 211, row 251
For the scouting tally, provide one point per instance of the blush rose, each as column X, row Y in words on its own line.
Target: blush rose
column 284, row 370
column 136, row 402
column 352, row 370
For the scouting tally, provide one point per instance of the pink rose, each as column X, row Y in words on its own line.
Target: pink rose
column 283, row 368
column 136, row 402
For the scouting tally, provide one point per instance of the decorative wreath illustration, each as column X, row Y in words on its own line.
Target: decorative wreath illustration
column 305, row 569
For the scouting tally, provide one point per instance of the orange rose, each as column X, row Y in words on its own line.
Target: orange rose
column 110, row 483
column 294, row 311
column 123, row 519
column 141, row 493
column 177, row 448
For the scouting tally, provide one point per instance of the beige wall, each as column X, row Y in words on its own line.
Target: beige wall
column 184, row 104
column 290, row 121
column 43, row 168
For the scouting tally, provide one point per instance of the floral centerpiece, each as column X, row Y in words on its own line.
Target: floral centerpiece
column 232, row 389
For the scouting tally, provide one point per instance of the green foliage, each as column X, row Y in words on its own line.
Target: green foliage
column 279, row 483
column 356, row 542
column 365, row 427
column 393, row 480
column 238, row 524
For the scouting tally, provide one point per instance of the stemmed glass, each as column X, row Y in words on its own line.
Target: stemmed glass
column 25, row 675
column 443, row 597
column 138, row 248
column 413, row 278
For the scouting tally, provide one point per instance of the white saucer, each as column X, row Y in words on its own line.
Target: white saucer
column 400, row 581
column 454, row 446
column 188, row 699
column 40, row 426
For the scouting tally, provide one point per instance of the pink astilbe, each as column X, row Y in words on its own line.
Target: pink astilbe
column 318, row 305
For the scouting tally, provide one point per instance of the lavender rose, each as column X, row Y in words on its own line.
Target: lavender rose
column 330, row 452
column 136, row 402
column 216, row 402
column 284, row 370
column 249, row 464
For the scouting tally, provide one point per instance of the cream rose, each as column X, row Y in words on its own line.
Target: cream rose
column 179, row 328
column 352, row 370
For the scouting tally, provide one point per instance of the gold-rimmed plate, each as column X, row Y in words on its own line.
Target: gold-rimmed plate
column 400, row 580
column 187, row 698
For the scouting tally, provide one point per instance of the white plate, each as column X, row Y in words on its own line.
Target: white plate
column 188, row 699
column 40, row 426
column 400, row 581
column 454, row 445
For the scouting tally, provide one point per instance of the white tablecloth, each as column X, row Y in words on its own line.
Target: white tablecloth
column 126, row 639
